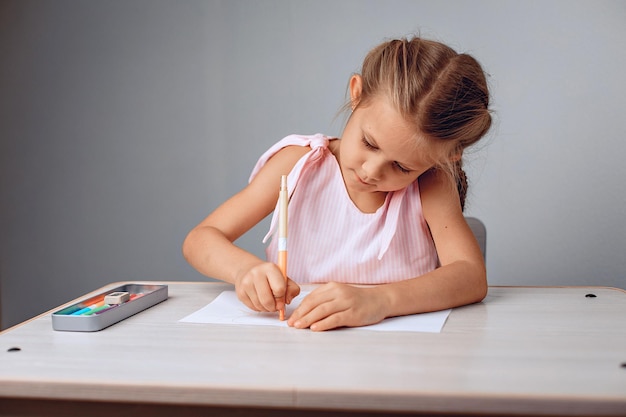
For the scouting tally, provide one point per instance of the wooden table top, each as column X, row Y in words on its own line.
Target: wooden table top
column 523, row 350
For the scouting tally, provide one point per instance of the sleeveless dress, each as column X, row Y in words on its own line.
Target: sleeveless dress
column 330, row 239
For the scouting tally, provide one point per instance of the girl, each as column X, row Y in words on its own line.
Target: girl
column 381, row 205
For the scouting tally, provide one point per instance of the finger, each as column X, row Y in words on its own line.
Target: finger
column 293, row 290
column 320, row 317
column 317, row 297
column 278, row 285
column 271, row 292
column 330, row 322
column 305, row 307
column 280, row 303
column 246, row 290
column 265, row 297
column 245, row 298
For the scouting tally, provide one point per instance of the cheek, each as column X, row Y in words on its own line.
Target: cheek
column 401, row 180
column 350, row 154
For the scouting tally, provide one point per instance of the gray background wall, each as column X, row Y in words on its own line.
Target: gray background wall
column 123, row 123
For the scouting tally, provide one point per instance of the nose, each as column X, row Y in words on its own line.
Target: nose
column 373, row 168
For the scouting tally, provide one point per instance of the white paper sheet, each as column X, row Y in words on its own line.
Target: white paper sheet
column 227, row 309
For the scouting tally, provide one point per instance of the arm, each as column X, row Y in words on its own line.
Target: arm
column 209, row 246
column 460, row 280
column 462, row 277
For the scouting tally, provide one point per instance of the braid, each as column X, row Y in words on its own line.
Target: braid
column 461, row 182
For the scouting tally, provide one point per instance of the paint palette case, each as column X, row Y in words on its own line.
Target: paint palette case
column 107, row 308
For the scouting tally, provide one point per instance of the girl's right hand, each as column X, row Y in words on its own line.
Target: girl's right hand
column 263, row 288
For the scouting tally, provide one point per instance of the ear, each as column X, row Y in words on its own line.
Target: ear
column 356, row 85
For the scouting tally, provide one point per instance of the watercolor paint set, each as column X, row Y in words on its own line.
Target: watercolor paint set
column 107, row 308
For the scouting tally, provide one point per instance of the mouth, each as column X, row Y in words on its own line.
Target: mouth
column 360, row 181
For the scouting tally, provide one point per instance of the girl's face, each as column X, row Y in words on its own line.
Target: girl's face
column 380, row 152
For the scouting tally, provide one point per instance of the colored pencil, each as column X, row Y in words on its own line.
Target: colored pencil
column 283, row 202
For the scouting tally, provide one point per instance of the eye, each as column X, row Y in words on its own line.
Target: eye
column 401, row 168
column 367, row 144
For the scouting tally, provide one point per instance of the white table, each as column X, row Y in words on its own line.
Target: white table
column 522, row 351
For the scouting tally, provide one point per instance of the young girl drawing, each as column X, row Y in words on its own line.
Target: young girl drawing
column 381, row 205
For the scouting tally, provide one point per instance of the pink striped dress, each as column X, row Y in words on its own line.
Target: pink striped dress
column 330, row 239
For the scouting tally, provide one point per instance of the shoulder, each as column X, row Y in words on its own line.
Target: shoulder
column 439, row 195
column 284, row 153
column 285, row 158
column 294, row 145
column 279, row 163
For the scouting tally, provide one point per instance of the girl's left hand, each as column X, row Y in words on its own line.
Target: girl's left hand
column 335, row 305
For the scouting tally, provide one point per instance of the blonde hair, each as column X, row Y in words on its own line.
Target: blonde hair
column 443, row 93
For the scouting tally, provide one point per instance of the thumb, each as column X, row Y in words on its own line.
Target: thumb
column 292, row 291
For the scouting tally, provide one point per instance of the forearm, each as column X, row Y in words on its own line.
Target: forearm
column 213, row 255
column 453, row 285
